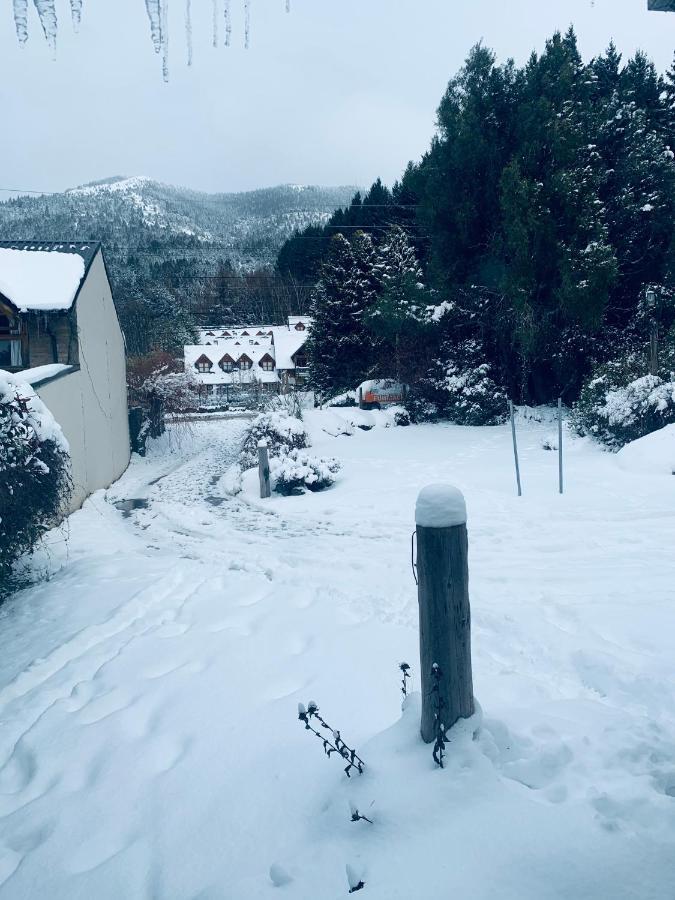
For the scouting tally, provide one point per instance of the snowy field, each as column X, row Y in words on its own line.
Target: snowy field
column 150, row 748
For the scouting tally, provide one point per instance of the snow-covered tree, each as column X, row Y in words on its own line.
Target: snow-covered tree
column 35, row 482
column 399, row 310
column 340, row 348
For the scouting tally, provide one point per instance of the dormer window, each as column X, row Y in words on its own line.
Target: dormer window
column 300, row 327
column 245, row 362
column 203, row 364
column 244, row 334
column 267, row 363
column 226, row 363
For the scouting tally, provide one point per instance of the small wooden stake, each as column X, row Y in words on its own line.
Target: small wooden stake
column 515, row 448
column 444, row 611
column 560, row 445
column 264, row 471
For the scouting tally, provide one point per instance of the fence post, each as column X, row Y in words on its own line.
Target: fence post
column 361, row 398
column 444, row 610
column 264, row 471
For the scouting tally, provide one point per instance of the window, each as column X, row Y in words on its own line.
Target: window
column 227, row 365
column 245, row 363
column 300, row 327
column 203, row 364
column 10, row 355
column 10, row 351
column 267, row 364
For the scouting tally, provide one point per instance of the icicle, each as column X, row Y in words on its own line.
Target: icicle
column 216, row 21
column 21, row 20
column 155, row 15
column 164, row 32
column 76, row 13
column 228, row 24
column 247, row 23
column 188, row 30
column 47, row 13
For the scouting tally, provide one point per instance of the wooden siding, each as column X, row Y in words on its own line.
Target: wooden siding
column 50, row 338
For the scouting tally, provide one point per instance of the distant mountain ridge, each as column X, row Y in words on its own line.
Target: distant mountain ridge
column 138, row 214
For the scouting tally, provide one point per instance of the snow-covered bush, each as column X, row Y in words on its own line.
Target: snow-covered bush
column 616, row 411
column 35, row 482
column 290, row 404
column 298, row 471
column 282, row 432
column 461, row 387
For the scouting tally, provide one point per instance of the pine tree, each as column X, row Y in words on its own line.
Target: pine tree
column 398, row 314
column 339, row 349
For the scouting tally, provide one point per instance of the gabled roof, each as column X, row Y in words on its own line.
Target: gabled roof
column 44, row 276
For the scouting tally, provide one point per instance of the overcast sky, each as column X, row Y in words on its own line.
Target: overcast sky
column 337, row 92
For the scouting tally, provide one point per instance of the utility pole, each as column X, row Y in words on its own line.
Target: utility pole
column 653, row 332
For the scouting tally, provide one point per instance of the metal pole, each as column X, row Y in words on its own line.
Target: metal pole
column 515, row 448
column 560, row 445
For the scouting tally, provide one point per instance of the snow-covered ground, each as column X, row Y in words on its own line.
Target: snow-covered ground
column 150, row 746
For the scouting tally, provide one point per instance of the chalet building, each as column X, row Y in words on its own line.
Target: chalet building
column 59, row 330
column 662, row 5
column 268, row 358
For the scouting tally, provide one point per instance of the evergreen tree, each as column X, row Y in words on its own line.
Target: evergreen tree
column 340, row 353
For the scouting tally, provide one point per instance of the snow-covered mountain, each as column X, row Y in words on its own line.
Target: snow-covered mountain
column 139, row 215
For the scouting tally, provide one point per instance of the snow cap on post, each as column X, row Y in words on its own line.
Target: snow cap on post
column 440, row 506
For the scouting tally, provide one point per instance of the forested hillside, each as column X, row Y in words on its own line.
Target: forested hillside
column 178, row 256
column 540, row 215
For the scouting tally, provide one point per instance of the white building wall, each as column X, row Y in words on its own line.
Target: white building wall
column 91, row 404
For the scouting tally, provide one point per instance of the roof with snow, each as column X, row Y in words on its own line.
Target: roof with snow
column 44, row 276
column 282, row 341
column 287, row 342
column 234, row 350
column 662, row 5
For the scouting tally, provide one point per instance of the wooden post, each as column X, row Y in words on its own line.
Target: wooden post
column 515, row 448
column 560, row 446
column 360, row 398
column 445, row 614
column 264, row 471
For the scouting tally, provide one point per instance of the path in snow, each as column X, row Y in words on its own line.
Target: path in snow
column 149, row 745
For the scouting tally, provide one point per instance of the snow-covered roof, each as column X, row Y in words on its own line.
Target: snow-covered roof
column 287, row 342
column 43, row 277
column 234, row 349
column 44, row 373
column 282, row 342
